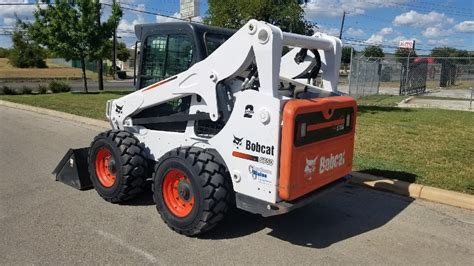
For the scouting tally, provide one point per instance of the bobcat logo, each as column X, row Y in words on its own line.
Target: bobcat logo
column 118, row 109
column 248, row 111
column 237, row 142
column 310, row 167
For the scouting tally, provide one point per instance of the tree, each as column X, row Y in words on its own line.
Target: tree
column 373, row 51
column 25, row 52
column 123, row 54
column 402, row 55
column 449, row 52
column 443, row 56
column 287, row 14
column 346, row 54
column 4, row 52
column 443, row 52
column 72, row 29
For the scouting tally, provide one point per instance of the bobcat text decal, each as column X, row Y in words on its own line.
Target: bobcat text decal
column 326, row 163
column 331, row 162
column 255, row 147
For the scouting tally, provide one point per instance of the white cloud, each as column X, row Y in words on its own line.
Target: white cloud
column 328, row 30
column 386, row 31
column 24, row 12
column 379, row 37
column 397, row 39
column 465, row 26
column 442, row 42
column 458, row 42
column 315, row 9
column 351, row 32
column 415, row 19
column 9, row 21
column 127, row 28
column 435, row 32
column 375, row 39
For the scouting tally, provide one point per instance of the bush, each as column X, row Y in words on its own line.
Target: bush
column 59, row 86
column 26, row 90
column 42, row 89
column 8, row 91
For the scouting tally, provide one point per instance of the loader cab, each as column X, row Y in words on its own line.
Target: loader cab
column 170, row 48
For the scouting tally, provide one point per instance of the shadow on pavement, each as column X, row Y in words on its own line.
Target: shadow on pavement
column 144, row 199
column 344, row 213
column 401, row 175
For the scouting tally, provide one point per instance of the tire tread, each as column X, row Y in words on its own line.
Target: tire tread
column 214, row 179
column 132, row 155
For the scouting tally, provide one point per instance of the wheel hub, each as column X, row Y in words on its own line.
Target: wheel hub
column 105, row 167
column 184, row 190
column 178, row 194
column 112, row 166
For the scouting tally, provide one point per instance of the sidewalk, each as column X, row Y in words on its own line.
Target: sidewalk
column 414, row 102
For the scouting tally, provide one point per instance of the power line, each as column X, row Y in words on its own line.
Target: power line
column 151, row 13
column 420, row 7
column 139, row 6
column 18, row 4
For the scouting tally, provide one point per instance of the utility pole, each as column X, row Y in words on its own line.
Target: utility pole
column 342, row 24
column 114, row 43
column 100, row 64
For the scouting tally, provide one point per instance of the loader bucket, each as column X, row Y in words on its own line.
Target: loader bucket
column 72, row 170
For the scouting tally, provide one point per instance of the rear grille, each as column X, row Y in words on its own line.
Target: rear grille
column 313, row 127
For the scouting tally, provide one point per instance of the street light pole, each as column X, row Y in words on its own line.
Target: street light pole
column 114, row 52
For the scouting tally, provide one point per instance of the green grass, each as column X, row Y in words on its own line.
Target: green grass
column 89, row 105
column 427, row 146
column 380, row 100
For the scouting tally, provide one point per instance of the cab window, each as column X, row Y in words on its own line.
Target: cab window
column 165, row 55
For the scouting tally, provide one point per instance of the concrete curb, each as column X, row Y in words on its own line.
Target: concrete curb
column 407, row 100
column 415, row 191
column 71, row 117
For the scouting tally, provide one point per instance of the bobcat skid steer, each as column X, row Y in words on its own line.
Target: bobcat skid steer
column 220, row 118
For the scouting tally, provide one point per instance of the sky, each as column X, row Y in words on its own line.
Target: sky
column 380, row 22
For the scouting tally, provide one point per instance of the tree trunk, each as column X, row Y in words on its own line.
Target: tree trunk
column 83, row 66
column 100, row 73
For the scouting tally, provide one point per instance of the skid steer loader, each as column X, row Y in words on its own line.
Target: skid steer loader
column 219, row 119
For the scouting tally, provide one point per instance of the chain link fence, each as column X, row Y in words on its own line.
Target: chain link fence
column 409, row 76
column 364, row 78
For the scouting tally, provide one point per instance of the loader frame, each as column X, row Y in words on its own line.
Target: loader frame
column 216, row 92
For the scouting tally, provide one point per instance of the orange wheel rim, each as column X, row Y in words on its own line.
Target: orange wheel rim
column 105, row 167
column 177, row 193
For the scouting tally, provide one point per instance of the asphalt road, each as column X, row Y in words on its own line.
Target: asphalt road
column 47, row 222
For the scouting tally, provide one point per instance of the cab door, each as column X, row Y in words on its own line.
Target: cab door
column 163, row 55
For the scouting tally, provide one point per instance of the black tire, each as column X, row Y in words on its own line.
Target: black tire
column 210, row 185
column 130, row 165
